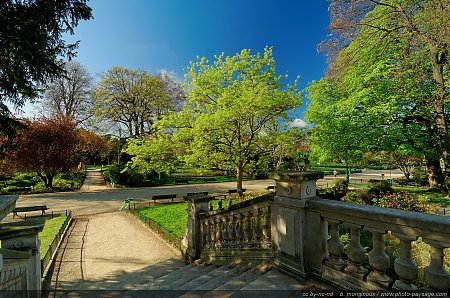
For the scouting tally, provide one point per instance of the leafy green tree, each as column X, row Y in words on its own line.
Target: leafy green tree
column 231, row 102
column 134, row 99
column 152, row 155
column 289, row 149
column 338, row 132
column 31, row 44
column 418, row 30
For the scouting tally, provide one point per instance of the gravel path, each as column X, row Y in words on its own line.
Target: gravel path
column 109, row 251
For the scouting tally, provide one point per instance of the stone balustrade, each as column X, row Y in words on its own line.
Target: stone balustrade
column 240, row 232
column 242, row 226
column 406, row 226
column 299, row 233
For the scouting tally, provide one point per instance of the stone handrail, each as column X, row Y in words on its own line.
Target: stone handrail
column 243, row 226
column 299, row 233
column 405, row 225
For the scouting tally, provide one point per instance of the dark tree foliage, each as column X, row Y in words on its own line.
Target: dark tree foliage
column 31, row 44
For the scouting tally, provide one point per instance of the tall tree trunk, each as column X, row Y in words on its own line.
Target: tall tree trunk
column 49, row 181
column 434, row 174
column 438, row 59
column 239, row 173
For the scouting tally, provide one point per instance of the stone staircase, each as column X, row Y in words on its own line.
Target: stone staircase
column 223, row 280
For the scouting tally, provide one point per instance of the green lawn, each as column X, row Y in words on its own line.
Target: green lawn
column 49, row 232
column 172, row 217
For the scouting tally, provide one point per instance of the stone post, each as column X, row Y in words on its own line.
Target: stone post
column 23, row 237
column 298, row 235
column 192, row 243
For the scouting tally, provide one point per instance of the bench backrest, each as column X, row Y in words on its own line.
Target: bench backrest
column 30, row 208
column 161, row 197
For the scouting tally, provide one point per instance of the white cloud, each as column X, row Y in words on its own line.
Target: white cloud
column 298, row 123
column 171, row 74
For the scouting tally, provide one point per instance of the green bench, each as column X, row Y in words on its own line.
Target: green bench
column 163, row 197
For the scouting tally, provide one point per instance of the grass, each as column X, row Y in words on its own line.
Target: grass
column 49, row 232
column 172, row 217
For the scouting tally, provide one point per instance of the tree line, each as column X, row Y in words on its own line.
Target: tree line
column 385, row 92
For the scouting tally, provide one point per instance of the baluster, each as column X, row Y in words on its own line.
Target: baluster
column 248, row 231
column 239, row 230
column 267, row 242
column 207, row 234
column 404, row 266
column 212, row 233
column 218, row 222
column 257, row 228
column 355, row 252
column 232, row 231
column 379, row 260
column 335, row 246
column 224, row 231
column 435, row 274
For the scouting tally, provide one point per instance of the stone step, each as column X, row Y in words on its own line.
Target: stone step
column 188, row 276
column 164, row 268
column 242, row 280
column 205, row 278
column 273, row 280
column 228, row 273
column 168, row 278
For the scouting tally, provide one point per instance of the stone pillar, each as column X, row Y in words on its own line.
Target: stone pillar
column 298, row 238
column 23, row 237
column 192, row 243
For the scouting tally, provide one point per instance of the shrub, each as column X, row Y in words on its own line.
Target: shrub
column 355, row 198
column 134, row 178
column 340, row 185
column 379, row 188
column 419, row 175
column 114, row 173
column 401, row 200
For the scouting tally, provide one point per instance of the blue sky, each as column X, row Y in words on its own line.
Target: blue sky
column 157, row 35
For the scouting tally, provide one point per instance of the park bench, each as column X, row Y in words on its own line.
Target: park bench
column 163, row 197
column 270, row 187
column 29, row 209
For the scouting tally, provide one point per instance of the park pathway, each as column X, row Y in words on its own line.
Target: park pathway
column 94, row 181
column 109, row 251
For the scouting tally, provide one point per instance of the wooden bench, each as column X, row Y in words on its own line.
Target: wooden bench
column 163, row 197
column 29, row 209
column 270, row 187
